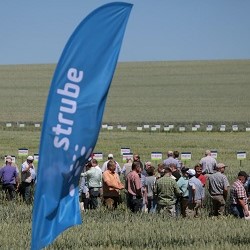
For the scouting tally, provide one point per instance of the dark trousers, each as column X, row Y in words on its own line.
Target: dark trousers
column 9, row 191
column 94, row 193
column 237, row 211
column 134, row 203
column 85, row 200
column 26, row 192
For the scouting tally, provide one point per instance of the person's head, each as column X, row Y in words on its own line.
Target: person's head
column 111, row 166
column 220, row 167
column 136, row 166
column 129, row 160
column 173, row 167
column 94, row 162
column 191, row 172
column 148, row 164
column 30, row 159
column 167, row 170
column 136, row 157
column 110, row 157
column 198, row 169
column 207, row 152
column 8, row 160
column 160, row 167
column 184, row 171
column 243, row 176
column 170, row 153
column 150, row 171
column 176, row 154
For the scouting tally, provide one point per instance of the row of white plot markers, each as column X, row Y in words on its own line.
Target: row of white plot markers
column 148, row 127
column 170, row 127
column 126, row 153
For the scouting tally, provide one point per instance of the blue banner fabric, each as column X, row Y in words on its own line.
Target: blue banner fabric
column 73, row 118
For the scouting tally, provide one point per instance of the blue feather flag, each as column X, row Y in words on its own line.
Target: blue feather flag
column 73, row 118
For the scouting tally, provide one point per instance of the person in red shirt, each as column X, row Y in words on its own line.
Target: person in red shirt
column 133, row 187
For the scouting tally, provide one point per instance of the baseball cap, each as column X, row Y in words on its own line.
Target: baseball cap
column 243, row 173
column 170, row 152
column 221, row 165
column 30, row 158
column 191, row 172
column 110, row 156
column 9, row 158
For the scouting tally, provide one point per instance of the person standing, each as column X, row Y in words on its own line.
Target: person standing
column 218, row 189
column 183, row 185
column 127, row 167
column 166, row 191
column 28, row 177
column 9, row 178
column 111, row 186
column 238, row 196
column 105, row 164
column 150, row 188
column 170, row 159
column 94, row 183
column 208, row 163
column 133, row 187
column 195, row 191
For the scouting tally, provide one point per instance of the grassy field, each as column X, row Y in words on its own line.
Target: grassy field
column 195, row 91
column 161, row 92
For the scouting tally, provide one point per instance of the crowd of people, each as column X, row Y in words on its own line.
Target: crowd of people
column 170, row 188
column 12, row 185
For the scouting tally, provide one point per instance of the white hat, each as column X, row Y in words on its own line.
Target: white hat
column 110, row 156
column 191, row 172
column 30, row 158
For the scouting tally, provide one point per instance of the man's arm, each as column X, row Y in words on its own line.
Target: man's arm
column 110, row 183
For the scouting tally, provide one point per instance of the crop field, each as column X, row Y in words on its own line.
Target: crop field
column 177, row 92
column 161, row 92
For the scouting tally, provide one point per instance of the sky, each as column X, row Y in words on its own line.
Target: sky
column 34, row 32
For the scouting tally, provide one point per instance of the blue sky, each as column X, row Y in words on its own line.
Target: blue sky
column 158, row 30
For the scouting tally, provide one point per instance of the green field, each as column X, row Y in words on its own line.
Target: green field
column 215, row 92
column 153, row 92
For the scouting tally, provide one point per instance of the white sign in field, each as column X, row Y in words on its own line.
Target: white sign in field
column 125, row 150
column 98, row 156
column 156, row 156
column 241, row 155
column 185, row 156
column 23, row 152
column 126, row 156
column 214, row 154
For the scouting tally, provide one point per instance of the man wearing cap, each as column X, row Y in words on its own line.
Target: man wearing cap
column 167, row 191
column 9, row 177
column 218, row 189
column 208, row 163
column 196, row 194
column 28, row 177
column 104, row 166
column 238, row 197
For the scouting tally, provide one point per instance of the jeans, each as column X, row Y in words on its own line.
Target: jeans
column 94, row 193
column 237, row 211
column 151, row 205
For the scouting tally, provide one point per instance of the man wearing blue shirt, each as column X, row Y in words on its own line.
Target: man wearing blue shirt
column 9, row 177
